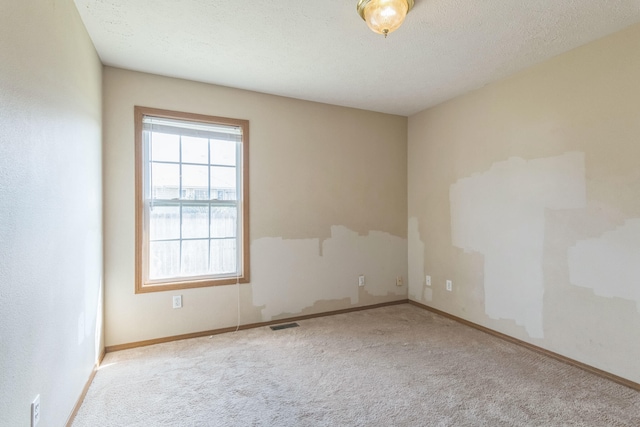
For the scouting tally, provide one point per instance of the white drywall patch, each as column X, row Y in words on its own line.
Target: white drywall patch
column 290, row 275
column 500, row 213
column 417, row 290
column 610, row 264
column 427, row 294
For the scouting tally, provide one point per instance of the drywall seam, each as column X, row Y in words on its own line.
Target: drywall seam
column 289, row 275
column 501, row 214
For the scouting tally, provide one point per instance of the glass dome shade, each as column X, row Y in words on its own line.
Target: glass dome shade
column 385, row 16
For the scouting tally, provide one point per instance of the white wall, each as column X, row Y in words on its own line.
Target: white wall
column 526, row 194
column 328, row 202
column 50, row 209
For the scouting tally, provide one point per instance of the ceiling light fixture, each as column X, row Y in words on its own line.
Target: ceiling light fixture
column 384, row 16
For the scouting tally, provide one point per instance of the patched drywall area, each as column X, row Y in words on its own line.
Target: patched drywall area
column 293, row 274
column 501, row 214
column 609, row 264
column 51, row 332
column 525, row 195
column 605, row 329
column 418, row 288
column 327, row 203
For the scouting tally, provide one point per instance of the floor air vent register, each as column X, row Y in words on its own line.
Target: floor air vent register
column 284, row 326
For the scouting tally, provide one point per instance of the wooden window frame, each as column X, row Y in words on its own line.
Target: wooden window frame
column 141, row 223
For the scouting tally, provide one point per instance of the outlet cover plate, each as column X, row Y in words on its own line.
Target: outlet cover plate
column 177, row 301
column 35, row 411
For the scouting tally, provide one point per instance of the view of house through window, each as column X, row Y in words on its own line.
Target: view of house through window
column 192, row 230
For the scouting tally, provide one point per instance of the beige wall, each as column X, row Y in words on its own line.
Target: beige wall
column 526, row 194
column 328, row 202
column 50, row 210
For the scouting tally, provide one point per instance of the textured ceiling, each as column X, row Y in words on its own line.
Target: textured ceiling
column 322, row 50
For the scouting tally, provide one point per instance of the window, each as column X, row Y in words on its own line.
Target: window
column 192, row 200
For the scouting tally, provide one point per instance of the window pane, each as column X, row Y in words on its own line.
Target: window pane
column 223, row 152
column 195, row 182
column 195, row 222
column 165, row 181
column 223, row 221
column 165, row 147
column 164, row 260
column 164, row 222
column 223, row 256
column 195, row 150
column 223, row 183
column 195, row 257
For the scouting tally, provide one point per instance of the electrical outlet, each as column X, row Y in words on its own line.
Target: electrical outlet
column 177, row 301
column 427, row 280
column 449, row 285
column 361, row 280
column 35, row 411
column 399, row 281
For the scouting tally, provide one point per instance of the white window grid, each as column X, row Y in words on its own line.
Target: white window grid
column 211, row 202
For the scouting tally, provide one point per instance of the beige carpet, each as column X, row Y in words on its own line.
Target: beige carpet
column 392, row 366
